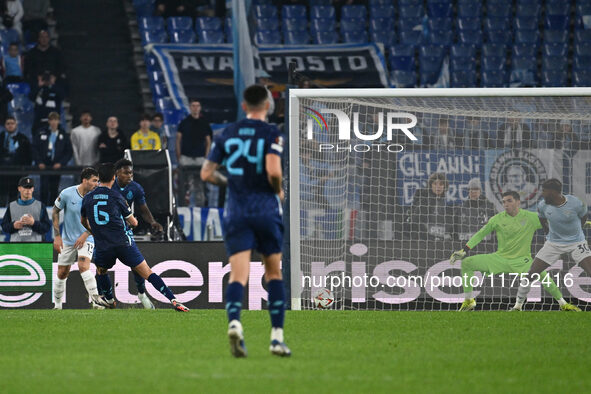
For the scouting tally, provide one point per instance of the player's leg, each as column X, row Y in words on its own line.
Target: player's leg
column 65, row 259
column 141, row 291
column 479, row 262
column 84, row 257
column 104, row 260
column 537, row 267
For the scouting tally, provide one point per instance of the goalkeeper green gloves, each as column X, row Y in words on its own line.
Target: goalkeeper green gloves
column 457, row 255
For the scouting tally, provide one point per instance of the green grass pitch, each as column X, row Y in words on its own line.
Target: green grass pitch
column 141, row 351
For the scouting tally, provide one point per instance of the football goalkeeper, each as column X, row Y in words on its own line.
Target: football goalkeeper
column 515, row 229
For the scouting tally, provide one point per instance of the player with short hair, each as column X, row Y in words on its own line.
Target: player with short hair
column 563, row 218
column 251, row 150
column 134, row 193
column 106, row 214
column 77, row 243
column 514, row 228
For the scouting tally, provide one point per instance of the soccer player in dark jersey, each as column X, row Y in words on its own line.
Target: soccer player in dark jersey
column 251, row 151
column 133, row 192
column 106, row 215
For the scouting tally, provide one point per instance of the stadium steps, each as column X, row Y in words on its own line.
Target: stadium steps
column 96, row 44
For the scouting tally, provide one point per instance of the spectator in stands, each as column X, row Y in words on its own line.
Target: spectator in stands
column 167, row 8
column 514, row 134
column 112, row 143
column 14, row 151
column 43, row 57
column 144, row 138
column 84, row 140
column 474, row 136
column 12, row 65
column 443, row 138
column 51, row 150
column 12, row 15
column 35, row 16
column 26, row 219
column 157, row 127
column 473, row 213
column 429, row 215
column 565, row 138
column 47, row 97
column 193, row 141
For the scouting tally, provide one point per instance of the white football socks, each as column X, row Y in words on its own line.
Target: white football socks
column 89, row 282
column 277, row 334
column 58, row 291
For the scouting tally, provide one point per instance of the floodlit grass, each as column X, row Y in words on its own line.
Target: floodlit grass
column 144, row 351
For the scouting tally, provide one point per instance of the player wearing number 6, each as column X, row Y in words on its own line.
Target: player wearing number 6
column 251, row 150
column 515, row 229
column 563, row 218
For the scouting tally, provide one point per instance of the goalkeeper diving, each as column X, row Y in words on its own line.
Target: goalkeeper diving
column 514, row 228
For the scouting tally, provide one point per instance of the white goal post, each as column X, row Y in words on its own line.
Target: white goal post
column 364, row 165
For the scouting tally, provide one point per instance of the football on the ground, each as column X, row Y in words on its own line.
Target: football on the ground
column 323, row 299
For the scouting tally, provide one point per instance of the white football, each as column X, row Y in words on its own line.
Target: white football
column 324, row 299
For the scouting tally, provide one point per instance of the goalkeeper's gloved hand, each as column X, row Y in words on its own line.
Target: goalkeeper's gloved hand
column 457, row 255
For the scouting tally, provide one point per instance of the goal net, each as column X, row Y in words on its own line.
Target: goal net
column 385, row 184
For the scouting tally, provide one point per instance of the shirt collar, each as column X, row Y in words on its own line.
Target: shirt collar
column 28, row 202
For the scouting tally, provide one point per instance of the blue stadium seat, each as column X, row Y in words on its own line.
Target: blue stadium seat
column 265, row 11
column 402, row 50
column 404, row 79
column 164, row 103
column 554, row 63
column 441, row 37
column 19, row 89
column 493, row 63
column 386, row 37
column 296, row 37
column 267, row 37
column 410, row 11
column 325, row 37
column 582, row 36
column 173, row 116
column 494, row 50
column 469, row 23
column 152, row 63
column 499, row 37
column 499, row 8
column 439, row 9
column 582, row 78
column 355, row 37
column 523, row 71
column 431, row 51
column 151, row 23
column 402, row 58
column 322, row 12
column 319, row 25
column 176, row 23
column 470, row 37
column 554, row 78
column 439, row 24
column 556, row 36
column 407, row 24
column 526, row 23
column 183, row 37
column 523, row 63
column 380, row 24
column 462, row 63
column 557, row 49
column 583, row 49
column 557, row 7
column 215, row 37
column 463, row 79
column 523, row 50
column 529, row 10
column 294, row 12
column 352, row 25
column 494, row 79
column 530, row 37
column 148, row 37
column 267, row 23
column 496, row 23
column 385, row 11
column 160, row 90
column 412, row 37
column 295, row 24
column 462, row 50
column 409, row 2
column 208, row 23
column 582, row 63
column 469, row 8
column 430, row 68
column 314, row 3
column 556, row 22
column 353, row 12
column 157, row 77
column 378, row 3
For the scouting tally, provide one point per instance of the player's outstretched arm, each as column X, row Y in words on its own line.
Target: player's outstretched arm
column 147, row 216
column 210, row 173
column 472, row 242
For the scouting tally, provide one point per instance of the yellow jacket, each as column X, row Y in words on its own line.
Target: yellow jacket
column 141, row 142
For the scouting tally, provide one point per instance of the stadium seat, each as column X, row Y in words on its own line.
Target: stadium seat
column 173, row 116
column 402, row 50
column 439, row 24
column 353, row 12
column 322, row 12
column 557, row 7
column 465, row 23
column 294, row 12
column 352, row 25
column 496, row 23
column 208, row 23
column 430, row 68
column 408, row 24
column 148, row 37
column 157, row 77
column 183, row 37
column 463, row 78
column 269, row 24
column 582, row 63
column 385, row 11
column 462, row 63
column 378, row 3
column 355, row 37
column 431, row 51
column 319, row 25
column 494, row 79
column 582, row 36
column 499, row 8
column 524, row 50
column 554, row 63
column 404, row 79
column 556, row 36
column 441, row 37
column 523, row 63
column 556, row 22
column 295, row 24
column 164, row 103
column 494, row 50
column 265, row 11
column 503, row 37
column 386, row 37
column 160, row 90
column 582, row 78
column 380, row 24
column 267, row 37
column 470, row 37
column 325, row 37
column 493, row 63
column 526, row 23
column 412, row 37
column 530, row 37
column 402, row 58
column 151, row 23
column 523, row 71
column 176, row 23
column 583, row 49
column 314, row 3
column 439, row 9
column 469, row 8
column 462, row 50
column 410, row 11
column 215, row 37
column 554, row 78
column 529, row 10
column 19, row 89
column 296, row 37
column 557, row 49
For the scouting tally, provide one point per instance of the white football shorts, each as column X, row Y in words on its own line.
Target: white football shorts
column 551, row 251
column 70, row 254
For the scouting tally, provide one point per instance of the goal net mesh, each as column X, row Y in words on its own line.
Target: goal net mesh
column 380, row 214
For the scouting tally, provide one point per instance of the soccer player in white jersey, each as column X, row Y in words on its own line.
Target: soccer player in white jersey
column 563, row 218
column 75, row 244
